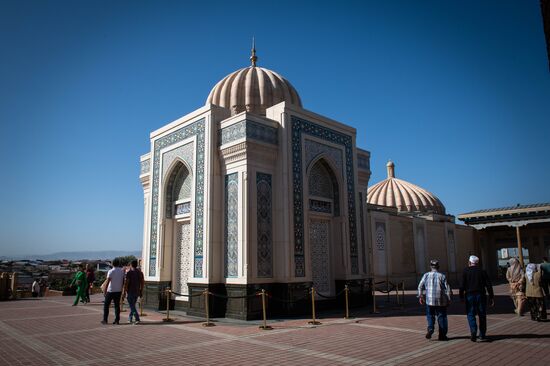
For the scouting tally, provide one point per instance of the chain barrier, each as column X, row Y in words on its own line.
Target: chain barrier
column 312, row 293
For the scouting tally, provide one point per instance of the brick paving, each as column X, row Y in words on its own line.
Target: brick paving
column 49, row 331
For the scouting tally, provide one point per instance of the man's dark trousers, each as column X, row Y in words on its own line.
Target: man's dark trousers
column 476, row 304
column 441, row 313
column 112, row 296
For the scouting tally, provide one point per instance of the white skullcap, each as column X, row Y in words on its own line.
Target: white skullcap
column 473, row 259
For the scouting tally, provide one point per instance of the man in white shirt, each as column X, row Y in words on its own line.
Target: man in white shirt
column 113, row 291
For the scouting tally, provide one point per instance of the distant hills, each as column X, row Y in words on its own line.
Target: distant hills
column 73, row 256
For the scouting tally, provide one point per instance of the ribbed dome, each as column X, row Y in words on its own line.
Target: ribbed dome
column 405, row 196
column 253, row 89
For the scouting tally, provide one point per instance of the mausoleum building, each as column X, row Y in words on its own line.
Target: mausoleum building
column 253, row 191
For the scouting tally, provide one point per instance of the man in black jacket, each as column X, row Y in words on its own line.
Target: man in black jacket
column 475, row 286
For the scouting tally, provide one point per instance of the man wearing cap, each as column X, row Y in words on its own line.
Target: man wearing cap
column 475, row 286
column 437, row 297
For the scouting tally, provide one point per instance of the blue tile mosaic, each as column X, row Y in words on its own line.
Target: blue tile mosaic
column 231, row 225
column 300, row 127
column 264, row 224
column 250, row 130
column 197, row 129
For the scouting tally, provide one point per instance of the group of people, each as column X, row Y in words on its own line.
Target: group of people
column 529, row 287
column 475, row 289
column 39, row 287
column 119, row 283
column 84, row 283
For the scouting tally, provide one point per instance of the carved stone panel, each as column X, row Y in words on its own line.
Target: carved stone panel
column 319, row 235
column 184, row 257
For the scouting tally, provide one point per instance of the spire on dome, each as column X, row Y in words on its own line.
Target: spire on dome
column 391, row 169
column 253, row 57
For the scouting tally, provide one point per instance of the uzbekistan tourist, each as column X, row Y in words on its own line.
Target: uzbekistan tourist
column 545, row 274
column 113, row 291
column 434, row 291
column 475, row 286
column 80, row 281
column 515, row 277
column 90, row 277
column 43, row 287
column 535, row 297
column 35, row 288
column 133, row 287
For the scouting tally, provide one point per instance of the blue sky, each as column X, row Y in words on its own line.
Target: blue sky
column 456, row 93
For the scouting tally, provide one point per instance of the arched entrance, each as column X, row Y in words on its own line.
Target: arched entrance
column 178, row 208
column 324, row 206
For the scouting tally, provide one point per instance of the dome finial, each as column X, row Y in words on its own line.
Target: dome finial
column 253, row 57
column 391, row 169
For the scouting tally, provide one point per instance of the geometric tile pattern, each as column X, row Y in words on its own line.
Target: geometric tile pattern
column 302, row 127
column 248, row 129
column 178, row 187
column 313, row 149
column 194, row 129
column 361, row 217
column 380, row 236
column 145, row 166
column 183, row 257
column 320, row 184
column 320, row 262
column 231, row 227
column 264, row 224
column 320, row 206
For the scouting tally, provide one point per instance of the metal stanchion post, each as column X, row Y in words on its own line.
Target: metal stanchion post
column 403, row 294
column 346, row 290
column 397, row 293
column 141, row 313
column 168, row 295
column 374, row 311
column 207, row 310
column 264, row 326
column 388, row 291
column 313, row 321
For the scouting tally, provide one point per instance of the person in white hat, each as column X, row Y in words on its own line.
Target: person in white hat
column 435, row 292
column 474, row 289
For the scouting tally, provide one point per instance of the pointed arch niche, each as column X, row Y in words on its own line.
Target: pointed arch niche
column 323, row 223
column 178, row 210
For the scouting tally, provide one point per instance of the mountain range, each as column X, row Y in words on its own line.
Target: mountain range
column 102, row 254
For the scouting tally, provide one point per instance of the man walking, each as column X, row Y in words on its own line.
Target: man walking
column 437, row 297
column 133, row 286
column 475, row 286
column 113, row 291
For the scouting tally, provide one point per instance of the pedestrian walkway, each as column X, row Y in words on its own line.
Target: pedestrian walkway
column 49, row 331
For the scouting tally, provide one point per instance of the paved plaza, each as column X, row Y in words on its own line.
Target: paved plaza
column 49, row 331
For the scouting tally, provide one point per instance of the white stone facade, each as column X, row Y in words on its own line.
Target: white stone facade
column 253, row 208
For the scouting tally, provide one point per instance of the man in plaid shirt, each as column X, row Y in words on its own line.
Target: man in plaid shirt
column 434, row 291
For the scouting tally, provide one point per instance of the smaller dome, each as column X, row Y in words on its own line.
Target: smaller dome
column 404, row 196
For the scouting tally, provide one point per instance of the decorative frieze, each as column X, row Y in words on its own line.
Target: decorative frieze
column 249, row 130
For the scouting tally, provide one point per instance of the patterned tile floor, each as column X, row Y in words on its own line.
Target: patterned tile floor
column 49, row 331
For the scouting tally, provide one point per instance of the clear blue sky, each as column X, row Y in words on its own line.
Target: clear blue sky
column 457, row 93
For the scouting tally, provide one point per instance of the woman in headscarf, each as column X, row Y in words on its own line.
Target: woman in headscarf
column 535, row 297
column 515, row 277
